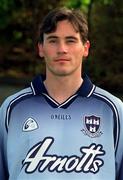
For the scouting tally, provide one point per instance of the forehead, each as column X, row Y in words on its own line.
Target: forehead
column 65, row 23
column 64, row 28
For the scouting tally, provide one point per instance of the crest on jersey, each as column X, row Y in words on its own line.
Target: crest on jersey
column 92, row 126
column 30, row 125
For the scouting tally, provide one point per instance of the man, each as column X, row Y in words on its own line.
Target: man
column 62, row 126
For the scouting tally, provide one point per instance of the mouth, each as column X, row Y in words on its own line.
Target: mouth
column 62, row 60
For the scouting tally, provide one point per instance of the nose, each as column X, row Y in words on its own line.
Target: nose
column 62, row 48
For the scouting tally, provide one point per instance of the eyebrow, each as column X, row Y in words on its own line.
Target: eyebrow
column 51, row 37
column 56, row 37
column 72, row 37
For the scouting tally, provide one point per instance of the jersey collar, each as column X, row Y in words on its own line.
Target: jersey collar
column 85, row 90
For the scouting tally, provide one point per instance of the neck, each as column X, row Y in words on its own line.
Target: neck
column 61, row 88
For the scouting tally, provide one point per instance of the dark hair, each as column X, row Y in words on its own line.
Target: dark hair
column 75, row 17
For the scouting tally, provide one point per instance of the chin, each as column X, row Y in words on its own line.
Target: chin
column 63, row 73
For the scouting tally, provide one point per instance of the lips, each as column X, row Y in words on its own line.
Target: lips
column 62, row 59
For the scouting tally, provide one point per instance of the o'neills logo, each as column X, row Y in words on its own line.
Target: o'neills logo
column 39, row 159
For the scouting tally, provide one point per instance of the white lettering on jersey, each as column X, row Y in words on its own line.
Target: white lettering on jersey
column 38, row 159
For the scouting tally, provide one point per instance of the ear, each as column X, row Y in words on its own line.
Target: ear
column 86, row 48
column 40, row 50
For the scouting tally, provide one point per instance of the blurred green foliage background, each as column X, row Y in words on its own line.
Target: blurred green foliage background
column 19, row 24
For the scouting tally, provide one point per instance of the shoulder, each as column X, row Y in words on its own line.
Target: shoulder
column 107, row 97
column 9, row 103
column 101, row 93
column 16, row 98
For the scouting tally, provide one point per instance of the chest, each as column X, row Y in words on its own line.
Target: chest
column 73, row 139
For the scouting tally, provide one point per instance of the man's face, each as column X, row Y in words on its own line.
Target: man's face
column 63, row 50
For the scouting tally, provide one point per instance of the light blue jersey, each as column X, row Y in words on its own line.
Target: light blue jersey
column 80, row 139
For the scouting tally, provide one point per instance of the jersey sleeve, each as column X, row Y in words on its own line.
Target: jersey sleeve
column 119, row 153
column 4, row 111
column 3, row 133
column 120, row 177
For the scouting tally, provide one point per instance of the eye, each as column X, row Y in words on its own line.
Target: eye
column 53, row 40
column 71, row 40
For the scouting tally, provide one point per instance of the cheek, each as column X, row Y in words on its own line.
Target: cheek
column 48, row 52
column 78, row 52
column 48, row 56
